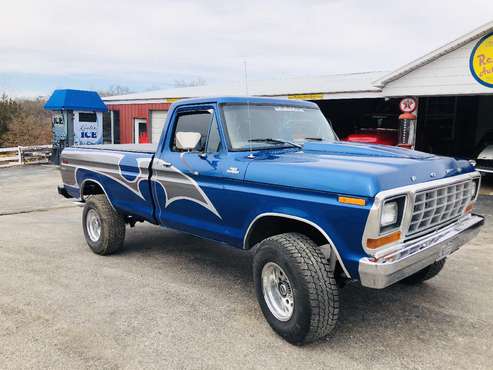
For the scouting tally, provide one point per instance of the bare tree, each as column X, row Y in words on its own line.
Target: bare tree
column 9, row 109
column 26, row 122
column 199, row 81
column 114, row 90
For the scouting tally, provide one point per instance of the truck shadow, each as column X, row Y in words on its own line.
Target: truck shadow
column 366, row 316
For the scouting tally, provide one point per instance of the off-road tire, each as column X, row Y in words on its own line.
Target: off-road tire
column 425, row 274
column 112, row 226
column 316, row 295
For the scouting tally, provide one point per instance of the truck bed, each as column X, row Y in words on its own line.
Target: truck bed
column 134, row 148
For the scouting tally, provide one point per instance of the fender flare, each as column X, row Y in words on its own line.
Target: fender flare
column 301, row 219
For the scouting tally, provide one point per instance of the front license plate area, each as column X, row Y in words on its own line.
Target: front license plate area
column 446, row 250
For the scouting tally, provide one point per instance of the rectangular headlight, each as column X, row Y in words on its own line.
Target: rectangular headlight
column 390, row 212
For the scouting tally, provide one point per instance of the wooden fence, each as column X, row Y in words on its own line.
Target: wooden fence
column 21, row 155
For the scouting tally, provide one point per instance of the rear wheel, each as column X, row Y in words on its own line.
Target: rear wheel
column 295, row 288
column 425, row 274
column 104, row 228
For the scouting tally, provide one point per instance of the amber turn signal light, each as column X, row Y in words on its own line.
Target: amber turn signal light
column 378, row 242
column 351, row 200
column 469, row 208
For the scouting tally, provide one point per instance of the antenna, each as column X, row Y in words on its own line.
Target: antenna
column 250, row 156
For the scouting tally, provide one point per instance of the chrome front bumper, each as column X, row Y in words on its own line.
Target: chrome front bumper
column 416, row 254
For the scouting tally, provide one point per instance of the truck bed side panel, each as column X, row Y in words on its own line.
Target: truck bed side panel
column 124, row 177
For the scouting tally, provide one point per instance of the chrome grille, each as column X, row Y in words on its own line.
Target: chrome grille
column 439, row 206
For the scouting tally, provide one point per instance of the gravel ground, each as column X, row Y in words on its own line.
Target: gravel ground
column 170, row 300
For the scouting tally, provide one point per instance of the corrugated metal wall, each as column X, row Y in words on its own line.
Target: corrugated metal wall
column 128, row 112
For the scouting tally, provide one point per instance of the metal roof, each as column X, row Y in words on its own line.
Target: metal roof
column 326, row 84
column 79, row 100
column 352, row 85
column 434, row 55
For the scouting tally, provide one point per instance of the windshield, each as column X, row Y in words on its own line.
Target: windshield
column 274, row 126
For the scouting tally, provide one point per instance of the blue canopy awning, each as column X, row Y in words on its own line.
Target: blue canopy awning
column 81, row 100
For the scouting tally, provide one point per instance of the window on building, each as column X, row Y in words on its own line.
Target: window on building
column 87, row 117
column 107, row 128
column 115, row 114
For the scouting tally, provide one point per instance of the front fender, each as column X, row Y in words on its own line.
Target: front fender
column 341, row 224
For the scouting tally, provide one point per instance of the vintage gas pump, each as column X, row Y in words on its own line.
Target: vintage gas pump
column 77, row 119
column 407, row 130
column 407, row 123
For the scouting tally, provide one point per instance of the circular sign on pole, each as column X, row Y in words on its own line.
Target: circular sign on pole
column 408, row 105
column 481, row 61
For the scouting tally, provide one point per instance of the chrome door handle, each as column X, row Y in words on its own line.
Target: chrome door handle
column 166, row 164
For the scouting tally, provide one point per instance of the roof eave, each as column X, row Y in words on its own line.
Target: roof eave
column 434, row 55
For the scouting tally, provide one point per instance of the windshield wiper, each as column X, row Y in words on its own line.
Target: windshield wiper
column 314, row 138
column 275, row 141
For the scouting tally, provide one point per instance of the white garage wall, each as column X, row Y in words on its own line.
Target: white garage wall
column 158, row 118
column 448, row 75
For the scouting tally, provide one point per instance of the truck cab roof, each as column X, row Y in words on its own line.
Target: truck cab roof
column 244, row 100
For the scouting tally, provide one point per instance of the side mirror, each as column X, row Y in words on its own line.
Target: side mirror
column 187, row 140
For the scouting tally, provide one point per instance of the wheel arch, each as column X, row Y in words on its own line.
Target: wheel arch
column 93, row 187
column 272, row 223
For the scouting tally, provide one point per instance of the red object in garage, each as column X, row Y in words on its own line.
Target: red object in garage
column 375, row 128
column 144, row 138
column 374, row 136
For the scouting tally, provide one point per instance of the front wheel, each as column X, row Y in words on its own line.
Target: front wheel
column 104, row 228
column 295, row 288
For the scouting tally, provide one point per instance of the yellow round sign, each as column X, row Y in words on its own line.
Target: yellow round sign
column 481, row 61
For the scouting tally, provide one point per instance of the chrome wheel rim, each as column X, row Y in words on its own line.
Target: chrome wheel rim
column 278, row 293
column 93, row 225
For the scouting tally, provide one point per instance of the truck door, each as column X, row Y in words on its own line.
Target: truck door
column 187, row 183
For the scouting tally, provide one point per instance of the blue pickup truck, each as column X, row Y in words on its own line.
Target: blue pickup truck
column 270, row 175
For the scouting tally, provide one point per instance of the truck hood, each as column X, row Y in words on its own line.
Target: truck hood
column 350, row 168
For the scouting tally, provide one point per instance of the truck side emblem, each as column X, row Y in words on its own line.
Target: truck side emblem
column 432, row 174
column 413, row 178
column 233, row 170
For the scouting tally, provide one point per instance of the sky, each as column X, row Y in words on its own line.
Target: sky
column 150, row 44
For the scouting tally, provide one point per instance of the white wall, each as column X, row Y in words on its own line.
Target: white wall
column 448, row 75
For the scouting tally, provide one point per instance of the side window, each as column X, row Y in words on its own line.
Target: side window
column 214, row 142
column 193, row 122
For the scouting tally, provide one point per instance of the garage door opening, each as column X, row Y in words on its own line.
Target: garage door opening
column 372, row 117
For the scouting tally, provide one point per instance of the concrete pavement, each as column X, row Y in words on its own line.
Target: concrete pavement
column 170, row 300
